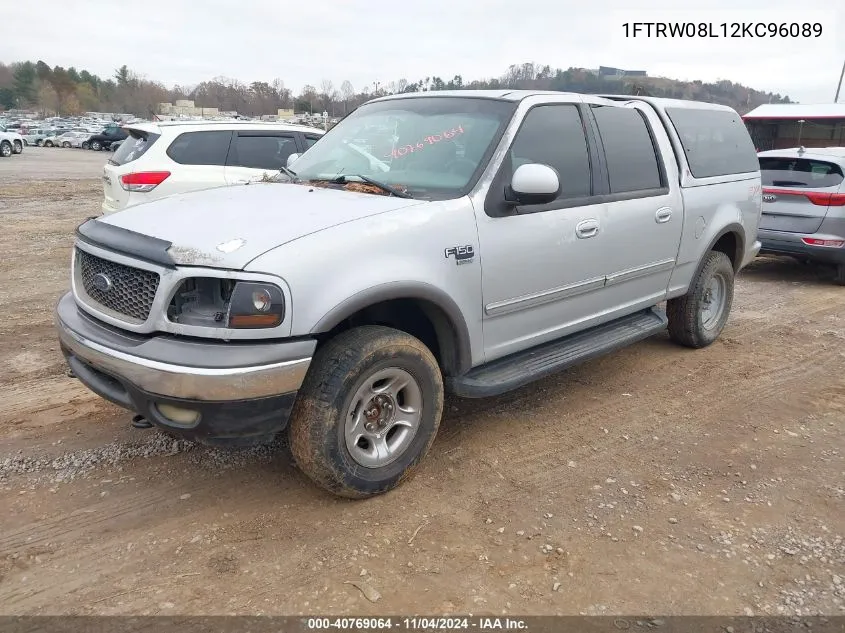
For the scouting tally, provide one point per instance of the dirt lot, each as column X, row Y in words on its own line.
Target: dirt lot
column 656, row 480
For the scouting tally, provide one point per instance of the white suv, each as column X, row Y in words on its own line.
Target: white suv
column 160, row 159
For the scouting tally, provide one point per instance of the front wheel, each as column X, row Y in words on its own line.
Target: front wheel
column 48, row 143
column 84, row 145
column 96, row 146
column 66, row 144
column 367, row 412
column 25, row 143
column 18, row 147
column 5, row 149
column 697, row 318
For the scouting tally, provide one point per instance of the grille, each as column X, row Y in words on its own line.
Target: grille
column 132, row 289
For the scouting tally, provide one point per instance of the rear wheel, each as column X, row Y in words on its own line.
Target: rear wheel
column 25, row 143
column 5, row 149
column 839, row 277
column 84, row 145
column 66, row 144
column 48, row 143
column 368, row 411
column 39, row 143
column 96, row 146
column 697, row 318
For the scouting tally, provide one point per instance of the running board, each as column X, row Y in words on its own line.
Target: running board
column 519, row 369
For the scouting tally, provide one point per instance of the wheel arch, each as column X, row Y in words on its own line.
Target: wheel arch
column 730, row 240
column 418, row 308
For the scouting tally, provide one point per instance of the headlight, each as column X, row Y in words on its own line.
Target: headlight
column 225, row 303
column 256, row 304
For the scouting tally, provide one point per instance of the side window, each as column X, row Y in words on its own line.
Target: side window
column 200, row 148
column 262, row 152
column 554, row 135
column 716, row 142
column 310, row 140
column 632, row 163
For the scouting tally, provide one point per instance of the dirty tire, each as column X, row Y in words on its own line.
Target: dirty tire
column 318, row 421
column 839, row 275
column 686, row 322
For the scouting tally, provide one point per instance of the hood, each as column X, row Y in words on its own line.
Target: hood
column 228, row 227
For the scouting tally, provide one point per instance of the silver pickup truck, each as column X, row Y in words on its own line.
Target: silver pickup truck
column 469, row 242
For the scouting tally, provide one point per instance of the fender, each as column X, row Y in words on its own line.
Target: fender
column 405, row 290
column 739, row 230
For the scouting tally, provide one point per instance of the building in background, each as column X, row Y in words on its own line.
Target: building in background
column 608, row 72
column 783, row 125
column 186, row 107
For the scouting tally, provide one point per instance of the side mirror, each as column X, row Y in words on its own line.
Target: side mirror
column 291, row 160
column 533, row 184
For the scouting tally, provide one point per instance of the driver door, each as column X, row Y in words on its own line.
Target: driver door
column 542, row 265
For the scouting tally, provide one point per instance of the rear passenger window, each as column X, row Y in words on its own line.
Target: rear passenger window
column 200, row 148
column 716, row 142
column 799, row 172
column 310, row 140
column 628, row 148
column 554, row 135
column 262, row 152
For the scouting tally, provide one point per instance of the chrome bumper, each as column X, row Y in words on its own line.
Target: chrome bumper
column 181, row 381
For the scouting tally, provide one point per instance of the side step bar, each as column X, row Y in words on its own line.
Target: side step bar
column 519, row 369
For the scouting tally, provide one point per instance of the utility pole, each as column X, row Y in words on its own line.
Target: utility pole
column 841, row 75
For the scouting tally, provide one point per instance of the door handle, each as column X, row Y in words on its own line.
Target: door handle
column 663, row 215
column 587, row 228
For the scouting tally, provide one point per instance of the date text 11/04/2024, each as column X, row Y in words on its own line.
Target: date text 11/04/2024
column 723, row 30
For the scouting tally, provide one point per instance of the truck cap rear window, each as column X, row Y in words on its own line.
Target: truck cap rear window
column 716, row 142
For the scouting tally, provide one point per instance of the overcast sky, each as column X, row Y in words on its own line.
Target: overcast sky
column 188, row 41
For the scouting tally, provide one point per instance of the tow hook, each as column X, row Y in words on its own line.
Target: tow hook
column 69, row 373
column 140, row 422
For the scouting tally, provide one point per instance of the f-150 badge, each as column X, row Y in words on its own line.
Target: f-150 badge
column 462, row 254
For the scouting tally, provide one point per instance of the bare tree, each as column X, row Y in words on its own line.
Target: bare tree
column 347, row 92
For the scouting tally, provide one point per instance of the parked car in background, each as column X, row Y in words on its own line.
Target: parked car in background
column 115, row 145
column 105, row 138
column 804, row 205
column 72, row 139
column 37, row 136
column 339, row 304
column 159, row 159
column 14, row 139
column 14, row 142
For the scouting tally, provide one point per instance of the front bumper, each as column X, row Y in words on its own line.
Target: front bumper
column 243, row 392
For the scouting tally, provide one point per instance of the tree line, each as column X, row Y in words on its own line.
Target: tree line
column 68, row 91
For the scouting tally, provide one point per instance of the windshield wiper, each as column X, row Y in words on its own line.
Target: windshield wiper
column 289, row 173
column 343, row 179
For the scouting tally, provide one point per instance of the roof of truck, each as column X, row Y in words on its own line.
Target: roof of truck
column 519, row 95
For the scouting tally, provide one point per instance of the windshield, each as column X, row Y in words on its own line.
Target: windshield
column 428, row 147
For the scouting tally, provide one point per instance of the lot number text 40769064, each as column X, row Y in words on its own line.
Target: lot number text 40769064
column 723, row 29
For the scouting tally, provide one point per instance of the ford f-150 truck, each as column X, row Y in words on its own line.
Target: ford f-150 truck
column 495, row 237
